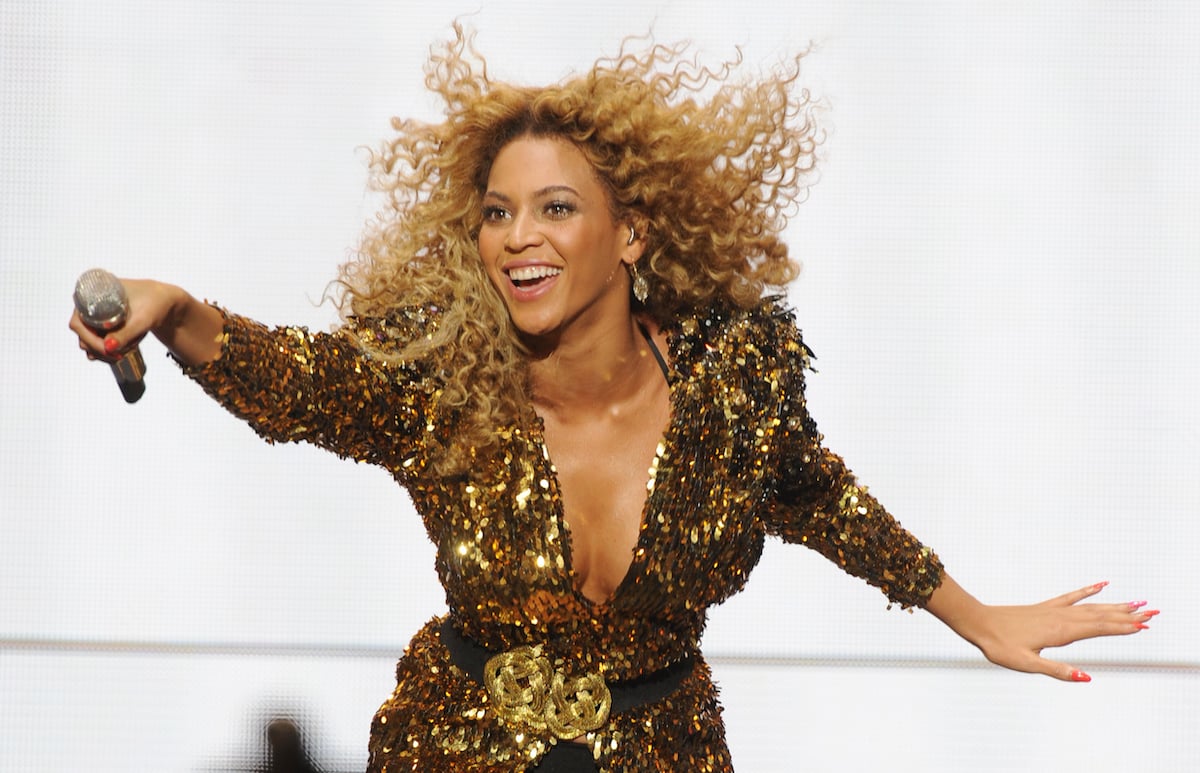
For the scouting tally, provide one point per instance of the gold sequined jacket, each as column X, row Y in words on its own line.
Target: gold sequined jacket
column 741, row 459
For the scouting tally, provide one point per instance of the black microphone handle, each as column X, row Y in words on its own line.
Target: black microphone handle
column 129, row 371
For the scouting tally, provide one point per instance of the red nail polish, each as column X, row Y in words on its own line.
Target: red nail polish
column 110, row 345
column 1151, row 612
column 1079, row 676
column 1143, row 627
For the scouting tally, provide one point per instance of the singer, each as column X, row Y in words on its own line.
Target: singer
column 560, row 336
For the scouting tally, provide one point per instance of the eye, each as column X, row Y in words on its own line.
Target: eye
column 494, row 214
column 559, row 209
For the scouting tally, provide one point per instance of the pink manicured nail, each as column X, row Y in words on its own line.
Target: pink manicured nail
column 1079, row 676
column 111, row 346
column 1100, row 585
column 1151, row 612
column 1143, row 627
column 1137, row 604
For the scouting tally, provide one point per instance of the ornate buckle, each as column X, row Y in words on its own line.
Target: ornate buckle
column 525, row 688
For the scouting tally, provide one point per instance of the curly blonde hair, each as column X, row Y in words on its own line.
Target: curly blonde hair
column 707, row 169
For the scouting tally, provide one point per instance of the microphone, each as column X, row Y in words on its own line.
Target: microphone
column 102, row 304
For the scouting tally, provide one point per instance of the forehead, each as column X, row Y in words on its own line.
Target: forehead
column 532, row 163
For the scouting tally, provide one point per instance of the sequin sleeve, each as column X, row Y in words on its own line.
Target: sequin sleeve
column 328, row 389
column 819, row 503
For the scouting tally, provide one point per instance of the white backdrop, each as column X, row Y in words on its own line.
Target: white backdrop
column 1002, row 274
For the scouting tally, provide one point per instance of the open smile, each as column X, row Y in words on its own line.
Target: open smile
column 528, row 282
column 526, row 276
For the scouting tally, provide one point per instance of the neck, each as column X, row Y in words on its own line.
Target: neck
column 609, row 365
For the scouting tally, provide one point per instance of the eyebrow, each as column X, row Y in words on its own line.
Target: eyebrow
column 536, row 194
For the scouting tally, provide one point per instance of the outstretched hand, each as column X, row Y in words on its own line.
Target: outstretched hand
column 1014, row 636
column 188, row 328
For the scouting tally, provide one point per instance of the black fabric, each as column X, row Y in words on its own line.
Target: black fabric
column 662, row 364
column 567, row 757
column 472, row 658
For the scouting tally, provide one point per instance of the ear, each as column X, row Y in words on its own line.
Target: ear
column 635, row 243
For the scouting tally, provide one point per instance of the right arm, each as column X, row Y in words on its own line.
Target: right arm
column 288, row 384
column 190, row 329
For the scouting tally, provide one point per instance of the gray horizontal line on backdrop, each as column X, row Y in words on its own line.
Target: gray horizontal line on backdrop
column 266, row 649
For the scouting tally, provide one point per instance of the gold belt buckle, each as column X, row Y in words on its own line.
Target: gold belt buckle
column 525, row 688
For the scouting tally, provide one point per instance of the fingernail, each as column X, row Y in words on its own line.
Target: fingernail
column 1150, row 612
column 110, row 345
column 1100, row 585
column 1137, row 604
column 1143, row 627
column 1079, row 676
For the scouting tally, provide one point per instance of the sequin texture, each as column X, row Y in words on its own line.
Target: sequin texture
column 741, row 460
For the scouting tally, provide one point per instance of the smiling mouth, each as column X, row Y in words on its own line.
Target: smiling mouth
column 531, row 276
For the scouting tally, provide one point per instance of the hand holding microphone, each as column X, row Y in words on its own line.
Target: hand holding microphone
column 103, row 305
column 112, row 315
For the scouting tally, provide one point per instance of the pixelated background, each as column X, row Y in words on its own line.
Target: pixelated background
column 1002, row 282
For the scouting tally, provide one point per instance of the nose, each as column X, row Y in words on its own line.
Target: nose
column 523, row 232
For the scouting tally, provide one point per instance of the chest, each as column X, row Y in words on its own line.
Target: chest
column 604, row 473
column 677, row 511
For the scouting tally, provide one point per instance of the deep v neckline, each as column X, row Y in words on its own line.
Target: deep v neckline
column 641, row 546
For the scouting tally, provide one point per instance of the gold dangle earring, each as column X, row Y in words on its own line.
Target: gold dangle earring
column 641, row 288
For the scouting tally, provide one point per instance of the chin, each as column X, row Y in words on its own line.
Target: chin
column 536, row 332
column 530, row 326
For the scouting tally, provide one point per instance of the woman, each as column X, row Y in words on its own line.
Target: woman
column 559, row 339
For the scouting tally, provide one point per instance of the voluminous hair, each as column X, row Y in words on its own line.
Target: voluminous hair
column 706, row 168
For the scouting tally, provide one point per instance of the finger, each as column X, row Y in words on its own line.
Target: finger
column 1139, row 616
column 87, row 337
column 1092, row 622
column 1031, row 662
column 113, row 346
column 1119, row 612
column 1132, row 613
column 89, row 340
column 1074, row 597
column 1138, row 608
column 1063, row 672
column 104, row 346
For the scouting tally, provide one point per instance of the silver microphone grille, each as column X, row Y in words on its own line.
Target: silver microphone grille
column 100, row 299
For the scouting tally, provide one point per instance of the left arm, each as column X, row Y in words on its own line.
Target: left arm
column 1014, row 636
column 820, row 504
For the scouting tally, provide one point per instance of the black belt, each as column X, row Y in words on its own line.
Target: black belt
column 474, row 659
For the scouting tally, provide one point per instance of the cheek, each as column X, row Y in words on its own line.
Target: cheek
column 487, row 248
column 485, row 243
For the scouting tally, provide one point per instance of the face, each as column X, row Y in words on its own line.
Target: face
column 549, row 241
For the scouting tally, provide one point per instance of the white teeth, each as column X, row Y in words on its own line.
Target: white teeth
column 526, row 273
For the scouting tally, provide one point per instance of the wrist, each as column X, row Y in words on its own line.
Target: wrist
column 963, row 613
column 191, row 329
